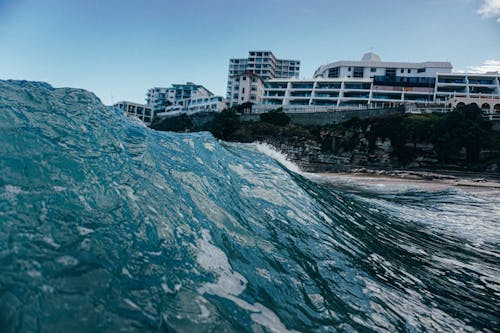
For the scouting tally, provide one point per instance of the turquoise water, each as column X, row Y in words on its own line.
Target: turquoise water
column 107, row 226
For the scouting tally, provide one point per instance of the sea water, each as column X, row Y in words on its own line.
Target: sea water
column 108, row 226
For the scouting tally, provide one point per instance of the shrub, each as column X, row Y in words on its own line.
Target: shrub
column 275, row 117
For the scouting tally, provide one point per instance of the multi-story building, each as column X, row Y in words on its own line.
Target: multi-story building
column 160, row 98
column 371, row 65
column 372, row 82
column 246, row 87
column 141, row 111
column 196, row 104
column 261, row 63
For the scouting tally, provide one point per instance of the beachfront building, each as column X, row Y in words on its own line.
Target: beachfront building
column 196, row 104
column 160, row 98
column 374, row 83
column 246, row 87
column 141, row 111
column 261, row 63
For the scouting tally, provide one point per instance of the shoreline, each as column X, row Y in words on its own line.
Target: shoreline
column 426, row 178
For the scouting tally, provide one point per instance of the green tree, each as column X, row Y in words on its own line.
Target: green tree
column 275, row 117
column 462, row 128
column 225, row 124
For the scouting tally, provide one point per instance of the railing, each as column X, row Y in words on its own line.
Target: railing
column 262, row 108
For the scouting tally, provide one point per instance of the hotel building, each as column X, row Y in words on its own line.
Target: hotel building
column 263, row 64
column 374, row 83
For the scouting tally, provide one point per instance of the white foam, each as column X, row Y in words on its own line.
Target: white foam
column 67, row 260
column 209, row 146
column 14, row 189
column 280, row 157
column 230, row 284
column 84, row 231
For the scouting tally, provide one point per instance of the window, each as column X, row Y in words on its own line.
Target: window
column 333, row 72
column 373, row 69
column 390, row 72
column 409, row 71
column 244, row 78
column 402, row 70
column 421, row 70
column 349, row 69
column 358, row 72
column 243, row 90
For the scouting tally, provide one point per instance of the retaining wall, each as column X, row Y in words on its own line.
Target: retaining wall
column 329, row 118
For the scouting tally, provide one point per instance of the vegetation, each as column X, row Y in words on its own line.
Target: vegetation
column 462, row 138
column 275, row 117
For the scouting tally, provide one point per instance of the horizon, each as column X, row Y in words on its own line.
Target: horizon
column 119, row 50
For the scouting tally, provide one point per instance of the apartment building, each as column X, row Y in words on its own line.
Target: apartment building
column 261, row 63
column 246, row 87
column 160, row 98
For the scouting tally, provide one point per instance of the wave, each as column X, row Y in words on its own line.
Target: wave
column 107, row 225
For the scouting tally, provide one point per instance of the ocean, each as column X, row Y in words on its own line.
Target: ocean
column 109, row 226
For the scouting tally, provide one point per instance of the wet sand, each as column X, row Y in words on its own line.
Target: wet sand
column 426, row 180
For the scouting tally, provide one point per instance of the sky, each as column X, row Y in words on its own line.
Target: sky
column 120, row 48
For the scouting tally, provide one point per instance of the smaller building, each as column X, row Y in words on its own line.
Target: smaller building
column 196, row 104
column 160, row 98
column 141, row 111
column 246, row 87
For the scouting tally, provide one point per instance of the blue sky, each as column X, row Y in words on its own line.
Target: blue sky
column 119, row 49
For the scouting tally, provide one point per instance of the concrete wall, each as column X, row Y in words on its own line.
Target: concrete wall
column 329, row 118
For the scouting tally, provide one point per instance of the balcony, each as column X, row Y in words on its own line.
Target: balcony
column 353, row 94
column 357, row 86
column 307, row 86
column 452, row 89
column 326, row 95
column 300, row 94
column 455, row 80
column 404, row 81
column 385, row 96
column 481, row 81
column 320, row 86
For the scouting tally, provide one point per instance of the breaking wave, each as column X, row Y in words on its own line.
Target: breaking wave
column 109, row 226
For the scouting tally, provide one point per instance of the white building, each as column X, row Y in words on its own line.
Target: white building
column 246, row 87
column 141, row 111
column 261, row 63
column 373, row 83
column 160, row 98
column 197, row 104
column 371, row 65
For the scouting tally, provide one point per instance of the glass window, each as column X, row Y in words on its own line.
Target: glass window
column 390, row 72
column 373, row 69
column 333, row 72
column 358, row 72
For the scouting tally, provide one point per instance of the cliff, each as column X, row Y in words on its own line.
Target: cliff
column 461, row 140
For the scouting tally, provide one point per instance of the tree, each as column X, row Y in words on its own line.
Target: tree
column 225, row 124
column 464, row 127
column 275, row 117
